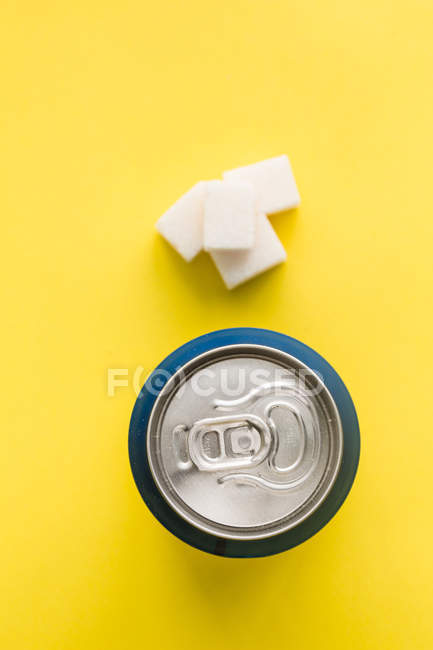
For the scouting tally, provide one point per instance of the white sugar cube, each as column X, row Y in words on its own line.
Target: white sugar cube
column 229, row 216
column 236, row 267
column 182, row 224
column 273, row 181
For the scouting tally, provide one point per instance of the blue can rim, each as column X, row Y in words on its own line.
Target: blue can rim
column 240, row 548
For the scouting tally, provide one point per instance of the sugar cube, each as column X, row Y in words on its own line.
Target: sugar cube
column 236, row 267
column 182, row 224
column 273, row 181
column 229, row 216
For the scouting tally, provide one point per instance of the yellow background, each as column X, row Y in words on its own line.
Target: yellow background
column 110, row 111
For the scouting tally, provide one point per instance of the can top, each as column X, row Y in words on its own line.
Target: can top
column 244, row 441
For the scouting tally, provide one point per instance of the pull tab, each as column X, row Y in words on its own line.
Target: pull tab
column 228, row 442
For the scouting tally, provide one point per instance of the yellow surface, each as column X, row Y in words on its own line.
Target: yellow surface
column 109, row 111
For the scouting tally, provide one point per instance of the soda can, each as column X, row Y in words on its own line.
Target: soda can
column 244, row 442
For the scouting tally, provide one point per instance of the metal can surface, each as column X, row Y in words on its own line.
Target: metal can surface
column 244, row 442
